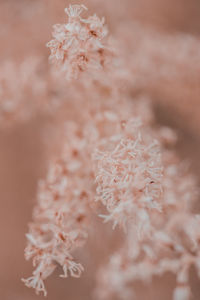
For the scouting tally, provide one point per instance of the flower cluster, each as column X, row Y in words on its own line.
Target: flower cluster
column 61, row 220
column 172, row 246
column 61, row 217
column 78, row 45
column 129, row 177
column 112, row 153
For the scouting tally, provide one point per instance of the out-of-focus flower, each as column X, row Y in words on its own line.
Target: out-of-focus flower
column 22, row 91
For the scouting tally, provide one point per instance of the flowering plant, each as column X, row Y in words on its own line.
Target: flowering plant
column 114, row 161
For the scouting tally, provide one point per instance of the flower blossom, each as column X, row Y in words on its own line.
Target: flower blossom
column 61, row 217
column 65, row 200
column 172, row 246
column 78, row 45
column 129, row 177
column 111, row 152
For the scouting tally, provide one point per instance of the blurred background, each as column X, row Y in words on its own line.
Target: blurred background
column 166, row 60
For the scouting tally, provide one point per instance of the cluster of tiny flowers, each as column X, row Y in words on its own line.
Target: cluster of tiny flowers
column 172, row 246
column 111, row 155
column 61, row 220
column 129, row 177
column 77, row 46
column 61, row 217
